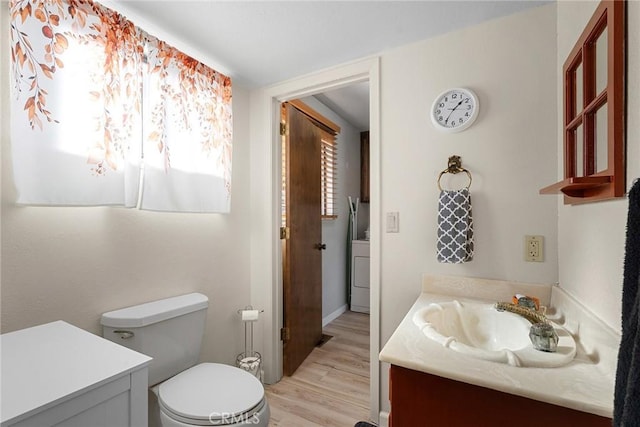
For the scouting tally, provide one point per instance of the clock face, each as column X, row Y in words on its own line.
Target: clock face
column 454, row 110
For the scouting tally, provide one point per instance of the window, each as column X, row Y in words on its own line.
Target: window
column 92, row 92
column 593, row 120
column 329, row 175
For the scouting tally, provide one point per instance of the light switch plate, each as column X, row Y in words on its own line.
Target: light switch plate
column 393, row 222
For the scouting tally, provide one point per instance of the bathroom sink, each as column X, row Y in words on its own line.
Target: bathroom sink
column 479, row 330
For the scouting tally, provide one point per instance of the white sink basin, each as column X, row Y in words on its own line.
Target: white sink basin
column 480, row 331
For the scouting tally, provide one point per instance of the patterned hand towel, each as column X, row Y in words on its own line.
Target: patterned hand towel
column 455, row 227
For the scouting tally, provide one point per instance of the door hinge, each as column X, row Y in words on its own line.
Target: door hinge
column 285, row 334
column 285, row 233
column 283, row 128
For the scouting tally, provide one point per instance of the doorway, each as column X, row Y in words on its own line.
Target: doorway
column 265, row 257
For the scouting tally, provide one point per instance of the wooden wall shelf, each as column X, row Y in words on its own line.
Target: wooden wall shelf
column 578, row 186
column 594, row 117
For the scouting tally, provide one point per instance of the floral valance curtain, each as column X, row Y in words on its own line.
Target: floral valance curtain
column 105, row 114
column 188, row 129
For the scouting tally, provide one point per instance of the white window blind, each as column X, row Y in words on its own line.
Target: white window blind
column 329, row 175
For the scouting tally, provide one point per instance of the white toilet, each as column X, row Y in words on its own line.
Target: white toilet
column 171, row 331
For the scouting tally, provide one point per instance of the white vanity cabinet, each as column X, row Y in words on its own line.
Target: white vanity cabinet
column 360, row 276
column 58, row 374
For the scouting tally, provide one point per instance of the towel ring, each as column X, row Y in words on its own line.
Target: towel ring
column 454, row 166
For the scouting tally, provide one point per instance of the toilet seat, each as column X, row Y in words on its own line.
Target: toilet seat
column 211, row 394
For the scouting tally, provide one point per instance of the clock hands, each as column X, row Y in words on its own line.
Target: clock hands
column 454, row 109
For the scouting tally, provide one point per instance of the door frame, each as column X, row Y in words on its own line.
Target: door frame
column 265, row 253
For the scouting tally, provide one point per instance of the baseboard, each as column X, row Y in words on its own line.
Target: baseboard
column 333, row 316
column 384, row 419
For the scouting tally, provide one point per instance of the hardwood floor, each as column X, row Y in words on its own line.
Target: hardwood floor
column 331, row 387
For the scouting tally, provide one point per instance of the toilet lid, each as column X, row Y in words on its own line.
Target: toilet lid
column 211, row 391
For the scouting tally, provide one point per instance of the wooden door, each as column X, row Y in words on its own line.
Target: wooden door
column 302, row 256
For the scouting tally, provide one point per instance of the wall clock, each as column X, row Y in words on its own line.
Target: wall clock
column 455, row 110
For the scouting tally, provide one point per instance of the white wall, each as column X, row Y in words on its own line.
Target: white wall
column 592, row 236
column 334, row 232
column 510, row 151
column 76, row 263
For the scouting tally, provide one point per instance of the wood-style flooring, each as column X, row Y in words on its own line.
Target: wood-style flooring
column 331, row 387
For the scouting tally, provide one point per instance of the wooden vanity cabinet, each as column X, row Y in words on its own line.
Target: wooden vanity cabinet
column 420, row 399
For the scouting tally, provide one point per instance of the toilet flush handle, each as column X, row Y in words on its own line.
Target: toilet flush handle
column 125, row 335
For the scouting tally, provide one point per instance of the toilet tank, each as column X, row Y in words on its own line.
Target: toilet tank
column 169, row 330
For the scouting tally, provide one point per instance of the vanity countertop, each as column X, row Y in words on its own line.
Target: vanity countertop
column 585, row 384
column 48, row 364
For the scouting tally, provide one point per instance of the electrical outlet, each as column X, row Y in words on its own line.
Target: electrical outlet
column 534, row 248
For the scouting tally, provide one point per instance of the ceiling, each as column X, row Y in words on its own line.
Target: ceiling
column 258, row 43
column 349, row 102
